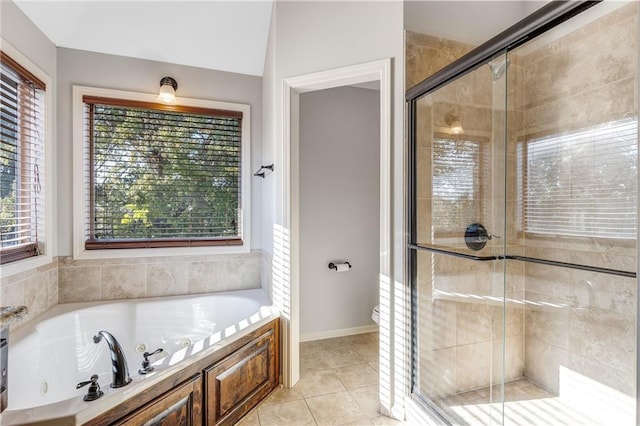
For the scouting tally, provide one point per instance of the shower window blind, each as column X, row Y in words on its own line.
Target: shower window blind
column 583, row 183
column 21, row 161
column 459, row 169
column 161, row 176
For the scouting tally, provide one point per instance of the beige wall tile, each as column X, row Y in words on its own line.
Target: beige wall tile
column 79, row 284
column 543, row 362
column 509, row 316
column 474, row 323
column 166, row 279
column 599, row 334
column 123, row 282
column 474, row 365
column 427, row 54
column 437, row 372
column 13, row 294
column 548, row 325
column 36, row 290
column 513, row 359
column 207, row 277
column 244, row 273
column 52, row 291
column 437, row 324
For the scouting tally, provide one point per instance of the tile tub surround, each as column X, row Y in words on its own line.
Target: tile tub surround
column 37, row 289
column 65, row 280
column 338, row 386
column 126, row 278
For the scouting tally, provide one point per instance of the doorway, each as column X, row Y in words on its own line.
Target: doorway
column 380, row 72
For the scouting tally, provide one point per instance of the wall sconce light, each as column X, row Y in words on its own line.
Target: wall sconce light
column 455, row 126
column 168, row 87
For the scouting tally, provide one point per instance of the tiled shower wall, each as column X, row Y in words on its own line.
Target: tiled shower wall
column 579, row 322
column 66, row 280
column 571, row 327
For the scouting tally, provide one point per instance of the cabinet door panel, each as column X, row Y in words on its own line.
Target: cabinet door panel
column 180, row 406
column 238, row 382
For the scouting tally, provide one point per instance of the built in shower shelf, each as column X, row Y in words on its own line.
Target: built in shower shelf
column 598, row 269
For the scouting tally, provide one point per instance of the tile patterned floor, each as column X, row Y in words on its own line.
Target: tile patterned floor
column 525, row 404
column 338, row 386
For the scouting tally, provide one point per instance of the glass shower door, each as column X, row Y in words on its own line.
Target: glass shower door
column 573, row 167
column 523, row 223
column 459, row 286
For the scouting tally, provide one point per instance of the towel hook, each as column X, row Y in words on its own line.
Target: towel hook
column 263, row 170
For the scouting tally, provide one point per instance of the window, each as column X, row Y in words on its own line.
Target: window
column 583, row 183
column 159, row 176
column 459, row 173
column 22, row 129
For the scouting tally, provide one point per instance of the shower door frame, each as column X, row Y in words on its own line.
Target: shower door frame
column 546, row 18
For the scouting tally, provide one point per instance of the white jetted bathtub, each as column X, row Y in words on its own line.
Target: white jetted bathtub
column 51, row 355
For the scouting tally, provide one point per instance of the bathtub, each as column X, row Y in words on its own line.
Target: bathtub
column 50, row 355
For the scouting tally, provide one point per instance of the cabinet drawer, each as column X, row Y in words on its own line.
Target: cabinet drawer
column 238, row 382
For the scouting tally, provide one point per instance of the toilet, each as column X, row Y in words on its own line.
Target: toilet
column 375, row 315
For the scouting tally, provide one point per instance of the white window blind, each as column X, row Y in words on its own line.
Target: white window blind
column 161, row 176
column 459, row 172
column 583, row 183
column 21, row 162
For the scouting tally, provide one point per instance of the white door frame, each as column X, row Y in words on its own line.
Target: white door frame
column 292, row 88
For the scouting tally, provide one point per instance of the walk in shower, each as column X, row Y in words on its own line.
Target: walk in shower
column 523, row 223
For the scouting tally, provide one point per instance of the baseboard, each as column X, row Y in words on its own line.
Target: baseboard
column 319, row 335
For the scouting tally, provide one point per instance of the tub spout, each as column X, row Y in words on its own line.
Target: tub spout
column 118, row 361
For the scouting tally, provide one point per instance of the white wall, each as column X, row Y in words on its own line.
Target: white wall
column 313, row 36
column 472, row 22
column 18, row 30
column 308, row 37
column 339, row 207
column 78, row 67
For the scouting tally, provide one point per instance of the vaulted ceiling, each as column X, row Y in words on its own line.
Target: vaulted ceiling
column 222, row 35
column 231, row 35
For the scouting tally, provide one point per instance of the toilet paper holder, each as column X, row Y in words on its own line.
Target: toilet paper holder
column 335, row 266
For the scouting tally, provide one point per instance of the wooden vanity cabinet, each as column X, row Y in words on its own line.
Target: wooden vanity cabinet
column 215, row 390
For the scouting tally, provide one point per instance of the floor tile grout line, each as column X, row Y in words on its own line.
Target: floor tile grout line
column 310, row 411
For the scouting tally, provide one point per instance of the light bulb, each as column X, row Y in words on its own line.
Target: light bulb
column 167, row 94
column 168, row 87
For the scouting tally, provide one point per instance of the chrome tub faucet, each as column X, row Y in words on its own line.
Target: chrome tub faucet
column 118, row 360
